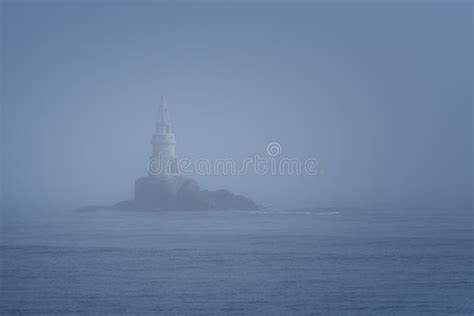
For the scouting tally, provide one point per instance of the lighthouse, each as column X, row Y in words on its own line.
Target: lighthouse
column 164, row 189
column 163, row 162
column 159, row 188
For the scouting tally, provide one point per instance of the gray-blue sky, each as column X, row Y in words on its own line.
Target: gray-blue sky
column 381, row 94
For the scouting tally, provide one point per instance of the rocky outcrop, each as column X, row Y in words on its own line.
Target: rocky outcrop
column 225, row 200
column 164, row 190
column 180, row 193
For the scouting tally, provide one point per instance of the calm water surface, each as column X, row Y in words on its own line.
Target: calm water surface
column 270, row 262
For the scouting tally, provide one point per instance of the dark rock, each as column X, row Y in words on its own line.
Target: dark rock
column 180, row 193
column 226, row 200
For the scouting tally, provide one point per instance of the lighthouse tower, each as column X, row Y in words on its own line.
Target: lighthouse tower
column 163, row 163
column 164, row 189
column 159, row 188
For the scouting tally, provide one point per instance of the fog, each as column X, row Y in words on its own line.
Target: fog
column 380, row 95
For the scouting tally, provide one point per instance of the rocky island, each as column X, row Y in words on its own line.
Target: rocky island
column 165, row 189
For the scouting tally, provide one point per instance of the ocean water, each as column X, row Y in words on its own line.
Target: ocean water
column 272, row 262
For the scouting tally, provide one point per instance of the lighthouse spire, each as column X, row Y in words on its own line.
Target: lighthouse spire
column 163, row 114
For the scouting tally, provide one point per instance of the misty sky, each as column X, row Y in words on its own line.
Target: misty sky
column 380, row 94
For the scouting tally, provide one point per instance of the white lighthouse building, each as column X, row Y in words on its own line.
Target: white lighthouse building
column 164, row 189
column 163, row 162
column 159, row 188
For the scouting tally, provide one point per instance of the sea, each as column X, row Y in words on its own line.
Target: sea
column 305, row 261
